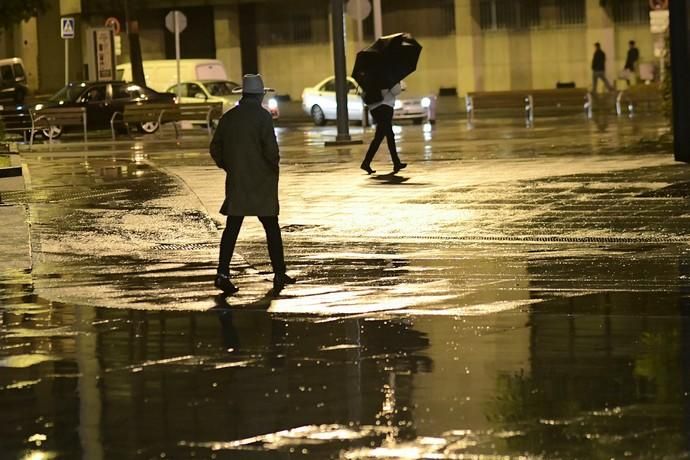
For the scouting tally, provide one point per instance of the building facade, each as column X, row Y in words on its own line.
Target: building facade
column 469, row 45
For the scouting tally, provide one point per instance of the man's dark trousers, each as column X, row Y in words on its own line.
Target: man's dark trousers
column 383, row 116
column 273, row 238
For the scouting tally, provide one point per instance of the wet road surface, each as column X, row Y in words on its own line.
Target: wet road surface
column 514, row 293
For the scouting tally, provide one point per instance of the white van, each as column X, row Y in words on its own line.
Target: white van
column 162, row 74
column 12, row 80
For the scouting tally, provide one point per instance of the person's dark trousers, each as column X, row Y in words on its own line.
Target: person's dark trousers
column 383, row 116
column 273, row 238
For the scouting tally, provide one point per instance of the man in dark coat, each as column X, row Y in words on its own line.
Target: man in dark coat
column 599, row 68
column 244, row 146
column 631, row 59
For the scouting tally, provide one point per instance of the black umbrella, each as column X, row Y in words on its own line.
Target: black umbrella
column 386, row 62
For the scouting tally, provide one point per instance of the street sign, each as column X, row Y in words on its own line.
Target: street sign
column 113, row 23
column 67, row 28
column 658, row 4
column 358, row 10
column 658, row 21
column 170, row 21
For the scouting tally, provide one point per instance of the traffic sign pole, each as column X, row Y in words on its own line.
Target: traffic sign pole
column 67, row 26
column 177, row 52
column 66, row 61
column 378, row 25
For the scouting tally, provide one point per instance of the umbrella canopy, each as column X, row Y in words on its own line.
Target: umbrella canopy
column 386, row 62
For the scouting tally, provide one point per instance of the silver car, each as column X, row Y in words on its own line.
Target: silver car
column 319, row 102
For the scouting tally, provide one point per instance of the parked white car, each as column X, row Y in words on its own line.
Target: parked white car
column 218, row 91
column 319, row 102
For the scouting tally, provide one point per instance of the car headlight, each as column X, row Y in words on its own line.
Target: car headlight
column 38, row 107
column 398, row 105
column 426, row 102
column 272, row 104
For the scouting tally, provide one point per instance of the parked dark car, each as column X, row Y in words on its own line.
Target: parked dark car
column 12, row 80
column 101, row 99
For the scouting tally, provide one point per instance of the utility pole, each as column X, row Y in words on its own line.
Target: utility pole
column 679, row 12
column 338, row 22
column 135, row 57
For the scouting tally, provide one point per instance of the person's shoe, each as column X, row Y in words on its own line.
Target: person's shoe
column 398, row 166
column 279, row 282
column 224, row 284
column 367, row 168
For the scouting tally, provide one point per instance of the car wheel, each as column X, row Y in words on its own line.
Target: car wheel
column 52, row 133
column 148, row 127
column 318, row 116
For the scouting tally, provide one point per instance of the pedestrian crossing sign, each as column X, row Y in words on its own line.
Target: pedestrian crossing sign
column 67, row 27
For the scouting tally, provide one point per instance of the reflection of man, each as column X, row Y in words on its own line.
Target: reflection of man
column 599, row 68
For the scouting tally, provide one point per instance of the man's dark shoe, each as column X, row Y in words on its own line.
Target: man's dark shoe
column 367, row 168
column 279, row 282
column 398, row 166
column 223, row 283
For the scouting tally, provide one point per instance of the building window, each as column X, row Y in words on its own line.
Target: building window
column 571, row 12
column 631, row 11
column 508, row 14
column 430, row 18
column 306, row 22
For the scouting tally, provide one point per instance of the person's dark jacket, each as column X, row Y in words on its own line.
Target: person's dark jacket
column 245, row 146
column 631, row 58
column 599, row 61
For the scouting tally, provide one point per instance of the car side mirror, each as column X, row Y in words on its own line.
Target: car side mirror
column 201, row 96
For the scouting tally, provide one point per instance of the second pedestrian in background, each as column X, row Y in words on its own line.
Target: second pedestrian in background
column 630, row 67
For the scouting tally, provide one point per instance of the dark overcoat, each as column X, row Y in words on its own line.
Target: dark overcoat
column 244, row 145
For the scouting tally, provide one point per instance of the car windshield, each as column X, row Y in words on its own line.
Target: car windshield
column 69, row 93
column 221, row 88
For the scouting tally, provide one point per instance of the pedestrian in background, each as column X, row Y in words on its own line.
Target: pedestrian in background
column 383, row 117
column 245, row 147
column 630, row 67
column 599, row 68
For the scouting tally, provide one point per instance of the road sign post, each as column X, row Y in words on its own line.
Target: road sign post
column 67, row 33
column 176, row 22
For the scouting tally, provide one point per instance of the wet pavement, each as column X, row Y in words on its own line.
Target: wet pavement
column 514, row 293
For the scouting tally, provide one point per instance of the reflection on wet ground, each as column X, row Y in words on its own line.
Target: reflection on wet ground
column 516, row 294
column 597, row 376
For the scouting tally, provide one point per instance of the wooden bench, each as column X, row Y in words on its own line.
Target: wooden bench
column 18, row 122
column 498, row 101
column 562, row 100
column 637, row 96
column 143, row 113
column 527, row 101
column 166, row 113
column 59, row 117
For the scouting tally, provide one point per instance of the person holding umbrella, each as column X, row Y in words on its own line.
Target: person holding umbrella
column 382, row 112
column 379, row 70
